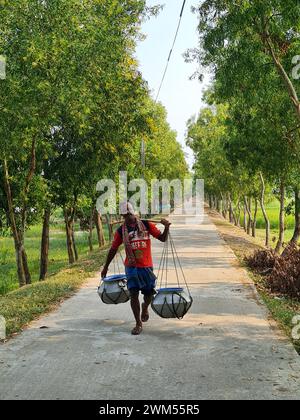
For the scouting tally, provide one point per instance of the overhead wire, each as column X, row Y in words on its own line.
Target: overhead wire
column 171, row 51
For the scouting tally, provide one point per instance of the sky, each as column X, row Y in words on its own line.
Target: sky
column 181, row 96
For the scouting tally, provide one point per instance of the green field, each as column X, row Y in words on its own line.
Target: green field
column 58, row 257
column 273, row 213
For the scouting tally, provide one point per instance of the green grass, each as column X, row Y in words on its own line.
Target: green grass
column 261, row 234
column 282, row 309
column 24, row 305
column 272, row 209
column 58, row 257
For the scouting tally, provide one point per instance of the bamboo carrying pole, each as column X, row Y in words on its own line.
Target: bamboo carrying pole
column 121, row 221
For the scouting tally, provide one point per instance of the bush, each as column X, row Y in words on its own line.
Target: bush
column 262, row 261
column 285, row 276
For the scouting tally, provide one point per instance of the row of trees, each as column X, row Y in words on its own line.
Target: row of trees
column 73, row 110
column 246, row 140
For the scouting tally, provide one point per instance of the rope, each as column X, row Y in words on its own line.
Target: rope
column 162, row 275
column 174, row 260
column 183, row 275
column 161, row 266
column 167, row 261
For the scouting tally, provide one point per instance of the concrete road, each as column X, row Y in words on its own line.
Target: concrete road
column 225, row 348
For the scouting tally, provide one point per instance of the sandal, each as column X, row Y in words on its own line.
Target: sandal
column 137, row 330
column 145, row 315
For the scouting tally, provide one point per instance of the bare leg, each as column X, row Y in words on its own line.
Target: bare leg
column 145, row 306
column 136, row 309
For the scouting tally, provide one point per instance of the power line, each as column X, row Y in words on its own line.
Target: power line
column 171, row 51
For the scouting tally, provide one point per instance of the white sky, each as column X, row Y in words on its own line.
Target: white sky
column 180, row 96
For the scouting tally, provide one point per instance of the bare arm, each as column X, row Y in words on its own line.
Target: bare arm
column 164, row 236
column 111, row 255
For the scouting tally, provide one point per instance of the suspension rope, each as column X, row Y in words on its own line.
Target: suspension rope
column 174, row 260
column 167, row 261
column 162, row 276
column 164, row 265
column 183, row 275
column 161, row 262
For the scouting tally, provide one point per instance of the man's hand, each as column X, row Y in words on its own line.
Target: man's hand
column 164, row 236
column 104, row 272
column 165, row 222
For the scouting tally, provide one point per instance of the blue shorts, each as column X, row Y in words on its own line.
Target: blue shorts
column 141, row 279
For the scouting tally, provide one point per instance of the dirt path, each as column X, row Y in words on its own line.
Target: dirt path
column 224, row 349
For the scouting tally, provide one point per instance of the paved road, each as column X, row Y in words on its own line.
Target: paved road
column 224, row 349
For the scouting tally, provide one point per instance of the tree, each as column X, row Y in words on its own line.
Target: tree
column 249, row 47
column 65, row 58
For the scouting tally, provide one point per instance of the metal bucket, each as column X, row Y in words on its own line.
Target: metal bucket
column 172, row 303
column 113, row 290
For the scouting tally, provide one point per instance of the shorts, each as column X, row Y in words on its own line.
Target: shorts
column 141, row 280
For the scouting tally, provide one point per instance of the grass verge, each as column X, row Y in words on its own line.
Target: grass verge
column 282, row 309
column 24, row 305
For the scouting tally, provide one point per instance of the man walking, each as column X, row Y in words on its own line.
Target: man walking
column 135, row 234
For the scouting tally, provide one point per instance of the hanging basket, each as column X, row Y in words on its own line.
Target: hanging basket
column 113, row 290
column 172, row 303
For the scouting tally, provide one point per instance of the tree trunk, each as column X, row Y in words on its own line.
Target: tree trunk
column 210, row 201
column 99, row 228
column 239, row 214
column 74, row 242
column 45, row 245
column 255, row 219
column 231, row 217
column 17, row 240
column 69, row 238
column 25, row 266
column 224, row 207
column 262, row 204
column 215, row 202
column 245, row 219
column 281, row 218
column 296, row 236
column 234, row 214
column 20, row 267
column 25, row 192
column 248, row 210
column 91, row 226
